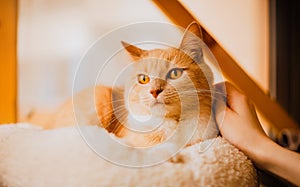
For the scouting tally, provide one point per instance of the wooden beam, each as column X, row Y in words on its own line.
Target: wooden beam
column 230, row 68
column 8, row 61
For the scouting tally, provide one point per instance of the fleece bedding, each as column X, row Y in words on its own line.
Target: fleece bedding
column 33, row 157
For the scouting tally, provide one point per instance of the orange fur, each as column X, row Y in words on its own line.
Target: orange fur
column 181, row 97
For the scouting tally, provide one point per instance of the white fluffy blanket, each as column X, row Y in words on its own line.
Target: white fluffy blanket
column 34, row 157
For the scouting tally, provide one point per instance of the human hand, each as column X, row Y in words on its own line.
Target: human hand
column 238, row 123
column 237, row 119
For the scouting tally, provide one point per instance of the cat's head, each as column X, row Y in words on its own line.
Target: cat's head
column 170, row 83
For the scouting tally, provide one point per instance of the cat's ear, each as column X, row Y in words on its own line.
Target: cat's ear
column 135, row 52
column 191, row 42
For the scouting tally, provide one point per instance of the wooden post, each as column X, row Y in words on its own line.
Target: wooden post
column 8, row 61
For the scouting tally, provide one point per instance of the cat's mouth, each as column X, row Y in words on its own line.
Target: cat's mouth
column 156, row 103
column 158, row 108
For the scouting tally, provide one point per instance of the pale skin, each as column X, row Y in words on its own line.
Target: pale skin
column 241, row 127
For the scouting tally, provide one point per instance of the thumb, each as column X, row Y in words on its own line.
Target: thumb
column 220, row 107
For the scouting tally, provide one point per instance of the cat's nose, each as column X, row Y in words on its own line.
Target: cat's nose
column 156, row 92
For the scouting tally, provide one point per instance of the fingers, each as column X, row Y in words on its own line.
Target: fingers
column 235, row 100
column 220, row 103
column 220, row 109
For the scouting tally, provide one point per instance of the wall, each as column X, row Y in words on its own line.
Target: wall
column 242, row 28
column 54, row 35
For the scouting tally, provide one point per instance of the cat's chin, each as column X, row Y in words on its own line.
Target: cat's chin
column 141, row 118
column 144, row 123
column 156, row 103
column 158, row 109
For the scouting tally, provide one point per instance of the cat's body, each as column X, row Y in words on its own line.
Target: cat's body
column 168, row 88
column 168, row 98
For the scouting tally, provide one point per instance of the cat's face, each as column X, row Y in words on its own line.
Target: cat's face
column 171, row 83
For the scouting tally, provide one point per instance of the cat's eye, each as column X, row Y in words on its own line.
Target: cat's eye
column 175, row 73
column 143, row 79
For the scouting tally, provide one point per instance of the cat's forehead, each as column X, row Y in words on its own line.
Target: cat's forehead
column 158, row 62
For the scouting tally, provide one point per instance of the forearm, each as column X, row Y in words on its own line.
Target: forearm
column 241, row 127
column 278, row 160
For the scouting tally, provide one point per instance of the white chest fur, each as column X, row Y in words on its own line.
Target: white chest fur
column 184, row 132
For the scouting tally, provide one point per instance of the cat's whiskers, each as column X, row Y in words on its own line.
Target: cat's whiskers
column 121, row 118
column 146, row 99
column 114, row 111
column 204, row 90
column 171, row 96
column 110, row 103
column 208, row 92
column 114, row 100
column 122, row 122
column 211, row 96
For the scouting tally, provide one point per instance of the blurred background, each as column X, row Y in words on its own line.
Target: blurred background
column 42, row 42
column 54, row 35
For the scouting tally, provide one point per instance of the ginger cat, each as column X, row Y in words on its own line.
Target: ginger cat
column 167, row 88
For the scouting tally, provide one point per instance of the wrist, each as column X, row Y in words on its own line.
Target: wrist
column 264, row 153
column 260, row 149
column 272, row 157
